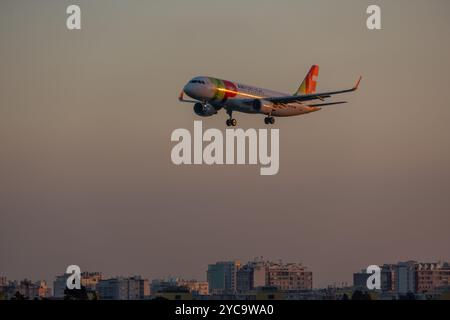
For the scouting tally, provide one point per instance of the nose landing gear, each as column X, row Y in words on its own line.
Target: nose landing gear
column 269, row 120
column 231, row 122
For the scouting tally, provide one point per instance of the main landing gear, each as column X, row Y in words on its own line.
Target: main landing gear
column 269, row 120
column 231, row 122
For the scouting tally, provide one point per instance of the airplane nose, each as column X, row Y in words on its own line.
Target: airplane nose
column 189, row 90
column 199, row 92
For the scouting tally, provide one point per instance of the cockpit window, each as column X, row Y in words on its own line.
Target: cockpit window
column 197, row 81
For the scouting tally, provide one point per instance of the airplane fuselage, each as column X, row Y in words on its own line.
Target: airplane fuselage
column 239, row 97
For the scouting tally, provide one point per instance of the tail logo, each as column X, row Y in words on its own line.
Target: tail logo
column 309, row 85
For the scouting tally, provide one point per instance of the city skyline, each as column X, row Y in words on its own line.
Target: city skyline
column 239, row 264
column 258, row 278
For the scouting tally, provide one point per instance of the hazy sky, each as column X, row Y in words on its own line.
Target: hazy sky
column 86, row 117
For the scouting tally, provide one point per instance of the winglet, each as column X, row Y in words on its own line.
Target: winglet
column 357, row 83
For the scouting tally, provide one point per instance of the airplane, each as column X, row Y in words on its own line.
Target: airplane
column 212, row 94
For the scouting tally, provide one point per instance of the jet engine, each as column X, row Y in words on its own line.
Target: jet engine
column 262, row 106
column 204, row 110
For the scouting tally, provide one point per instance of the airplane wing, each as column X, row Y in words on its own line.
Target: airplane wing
column 309, row 97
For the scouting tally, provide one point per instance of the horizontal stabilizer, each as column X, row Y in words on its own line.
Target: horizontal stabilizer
column 326, row 104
